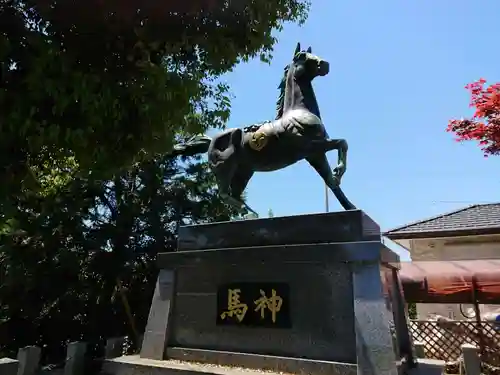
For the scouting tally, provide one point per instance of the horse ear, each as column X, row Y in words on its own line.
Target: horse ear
column 297, row 49
column 309, row 50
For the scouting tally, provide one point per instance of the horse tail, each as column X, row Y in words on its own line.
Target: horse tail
column 199, row 144
column 343, row 200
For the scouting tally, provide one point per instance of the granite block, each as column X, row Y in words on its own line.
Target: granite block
column 368, row 251
column 29, row 360
column 114, row 347
column 200, row 362
column 8, row 366
column 156, row 334
column 374, row 344
column 332, row 266
column 389, row 258
column 472, row 359
column 263, row 362
column 321, row 311
column 75, row 358
column 343, row 226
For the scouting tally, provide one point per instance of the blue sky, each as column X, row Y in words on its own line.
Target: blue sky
column 397, row 75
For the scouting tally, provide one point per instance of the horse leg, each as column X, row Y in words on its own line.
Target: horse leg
column 238, row 185
column 224, row 166
column 224, row 171
column 223, row 175
column 326, row 145
column 320, row 163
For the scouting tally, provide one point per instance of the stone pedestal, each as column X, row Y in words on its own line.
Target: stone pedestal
column 319, row 279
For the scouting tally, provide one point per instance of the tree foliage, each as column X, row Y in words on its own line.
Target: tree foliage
column 92, row 95
column 412, row 310
column 484, row 125
column 105, row 84
column 62, row 255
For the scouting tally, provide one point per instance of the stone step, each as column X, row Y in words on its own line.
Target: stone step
column 135, row 365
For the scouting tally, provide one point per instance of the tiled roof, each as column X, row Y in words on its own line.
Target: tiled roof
column 475, row 218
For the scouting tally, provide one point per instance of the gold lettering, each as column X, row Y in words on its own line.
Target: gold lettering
column 234, row 305
column 273, row 304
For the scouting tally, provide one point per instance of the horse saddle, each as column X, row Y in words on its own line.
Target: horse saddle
column 253, row 128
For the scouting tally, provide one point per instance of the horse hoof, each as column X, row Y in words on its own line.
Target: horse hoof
column 250, row 216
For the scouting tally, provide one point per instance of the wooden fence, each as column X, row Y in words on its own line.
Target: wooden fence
column 443, row 339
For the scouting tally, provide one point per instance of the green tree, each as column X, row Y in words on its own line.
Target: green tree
column 412, row 310
column 91, row 94
column 64, row 253
column 102, row 85
column 270, row 213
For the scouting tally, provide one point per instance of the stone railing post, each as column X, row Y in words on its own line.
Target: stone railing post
column 114, row 347
column 419, row 349
column 29, row 360
column 75, row 358
column 8, row 366
column 472, row 361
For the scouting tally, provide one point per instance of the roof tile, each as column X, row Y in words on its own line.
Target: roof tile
column 478, row 216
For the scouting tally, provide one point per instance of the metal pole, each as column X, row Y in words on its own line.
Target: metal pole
column 477, row 312
column 327, row 205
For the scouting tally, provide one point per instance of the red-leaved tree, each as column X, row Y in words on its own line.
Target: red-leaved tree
column 484, row 125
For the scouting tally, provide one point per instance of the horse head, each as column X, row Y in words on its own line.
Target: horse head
column 305, row 65
column 296, row 86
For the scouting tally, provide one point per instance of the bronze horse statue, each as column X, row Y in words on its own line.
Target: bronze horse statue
column 297, row 133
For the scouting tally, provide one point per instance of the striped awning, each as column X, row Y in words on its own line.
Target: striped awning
column 451, row 281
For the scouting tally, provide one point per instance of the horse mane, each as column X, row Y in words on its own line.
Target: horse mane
column 281, row 98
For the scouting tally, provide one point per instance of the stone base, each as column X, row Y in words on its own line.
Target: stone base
column 330, row 273
column 135, row 365
column 210, row 362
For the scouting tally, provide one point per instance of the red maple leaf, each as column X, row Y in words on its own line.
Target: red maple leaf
column 484, row 125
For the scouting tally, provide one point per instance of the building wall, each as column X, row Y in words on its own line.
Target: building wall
column 449, row 250
column 480, row 247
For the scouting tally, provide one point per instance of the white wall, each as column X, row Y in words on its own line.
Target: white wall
column 452, row 311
